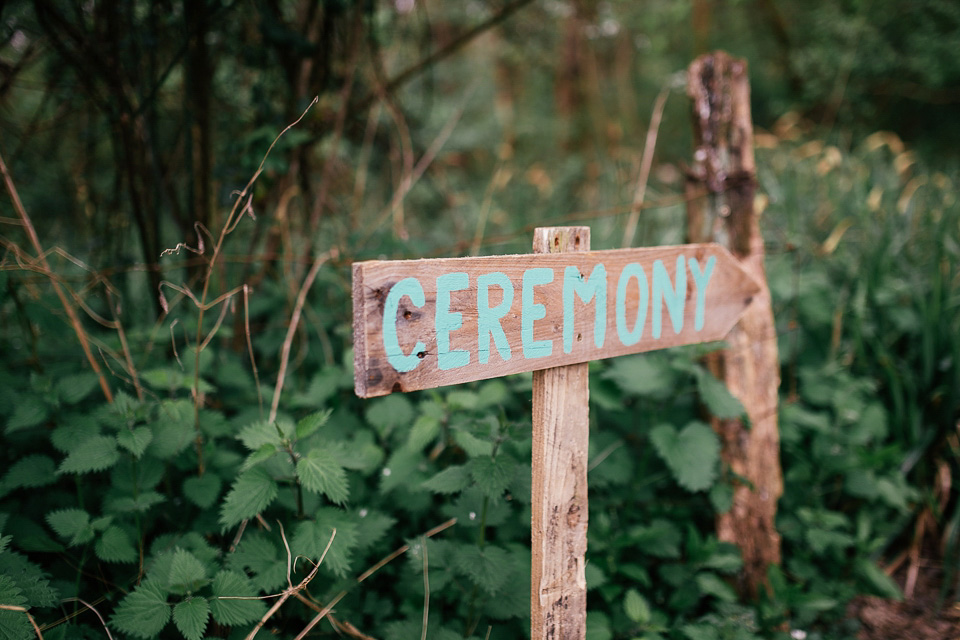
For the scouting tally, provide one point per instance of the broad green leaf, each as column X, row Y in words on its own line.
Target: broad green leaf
column 309, row 425
column 488, row 568
column 29, row 579
column 371, row 527
column 451, row 480
column 312, row 537
column 471, row 444
column 144, row 612
column 692, row 455
column 173, row 429
column 711, row 584
column 647, row 375
column 424, row 431
column 95, row 453
column 264, row 453
column 191, row 617
column 255, row 435
column 135, row 440
column 30, row 472
column 226, row 610
column 636, row 607
column 715, row 395
column 29, row 412
column 187, row 573
column 721, row 497
column 72, row 525
column 141, row 503
column 598, row 626
column 202, row 491
column 114, row 545
column 389, row 412
column 660, row 538
column 72, row 389
column 320, row 472
column 251, row 493
column 14, row 625
column 700, row 632
column 879, row 582
column 259, row 555
column 493, row 475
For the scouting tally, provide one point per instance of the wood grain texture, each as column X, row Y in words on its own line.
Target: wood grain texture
column 724, row 163
column 559, row 503
column 728, row 293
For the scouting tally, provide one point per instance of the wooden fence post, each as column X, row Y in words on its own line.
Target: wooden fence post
column 720, row 189
column 560, row 444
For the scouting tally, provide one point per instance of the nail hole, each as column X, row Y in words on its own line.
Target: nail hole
column 556, row 241
column 407, row 315
column 579, row 337
column 422, row 355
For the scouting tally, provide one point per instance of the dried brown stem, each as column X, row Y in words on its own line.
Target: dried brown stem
column 33, row 623
column 630, row 230
column 67, row 307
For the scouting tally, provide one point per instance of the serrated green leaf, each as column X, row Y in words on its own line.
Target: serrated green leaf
column 30, row 472
column 717, row 398
column 187, row 573
column 74, row 388
column 700, row 632
column 360, row 454
column 493, row 475
column 724, row 562
column 389, row 412
column 191, row 617
column 72, row 525
column 264, row 453
column 255, row 435
column 173, row 430
column 311, row 539
column 251, row 493
column 29, row 412
column 115, row 546
column 144, row 612
column 451, row 480
column 648, row 375
column 636, row 607
column 488, row 567
column 29, row 579
column 226, row 610
column 202, row 491
column 135, row 440
column 309, row 425
column 95, row 453
column 471, row 444
column 371, row 526
column 130, row 504
column 711, row 584
column 14, row 625
column 259, row 555
column 425, row 430
column 660, row 538
column 879, row 582
column 320, row 472
column 721, row 497
column 692, row 455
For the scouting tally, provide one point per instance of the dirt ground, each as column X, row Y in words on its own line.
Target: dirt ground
column 916, row 618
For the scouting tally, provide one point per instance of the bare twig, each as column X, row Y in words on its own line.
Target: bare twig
column 369, row 572
column 630, row 230
column 67, row 307
column 95, row 612
column 13, row 607
column 292, row 328
column 289, row 591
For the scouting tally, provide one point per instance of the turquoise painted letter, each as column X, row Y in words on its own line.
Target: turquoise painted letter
column 632, row 270
column 594, row 287
column 665, row 294
column 411, row 288
column 701, row 279
column 531, row 311
column 488, row 320
column 447, row 321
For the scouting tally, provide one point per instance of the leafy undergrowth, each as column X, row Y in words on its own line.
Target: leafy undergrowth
column 183, row 510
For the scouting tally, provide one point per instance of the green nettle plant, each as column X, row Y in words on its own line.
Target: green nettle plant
column 186, row 509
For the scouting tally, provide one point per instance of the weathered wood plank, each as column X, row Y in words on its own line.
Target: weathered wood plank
column 558, row 604
column 420, row 324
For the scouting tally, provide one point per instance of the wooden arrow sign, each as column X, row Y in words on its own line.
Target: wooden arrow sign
column 419, row 324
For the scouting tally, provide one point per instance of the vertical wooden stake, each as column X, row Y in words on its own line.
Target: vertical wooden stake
column 560, row 443
column 724, row 168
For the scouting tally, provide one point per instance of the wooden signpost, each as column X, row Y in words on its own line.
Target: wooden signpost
column 419, row 324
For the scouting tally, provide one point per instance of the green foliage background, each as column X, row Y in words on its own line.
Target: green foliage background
column 184, row 508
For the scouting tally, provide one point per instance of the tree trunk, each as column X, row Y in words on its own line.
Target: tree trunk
column 724, row 170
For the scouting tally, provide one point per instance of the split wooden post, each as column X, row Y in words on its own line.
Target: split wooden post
column 724, row 168
column 561, row 395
